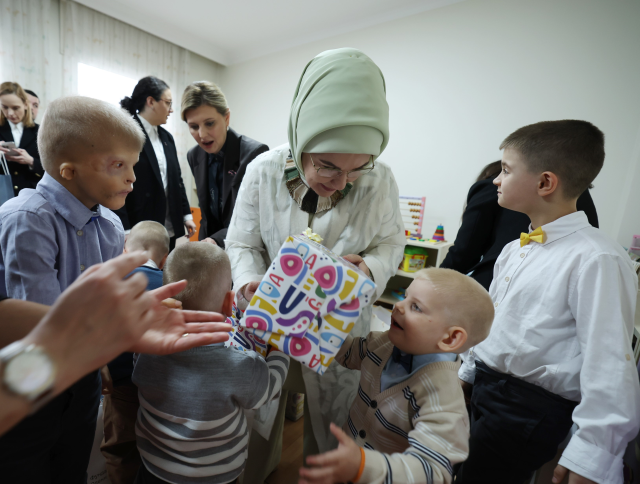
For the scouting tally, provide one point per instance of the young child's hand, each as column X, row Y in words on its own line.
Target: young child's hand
column 340, row 465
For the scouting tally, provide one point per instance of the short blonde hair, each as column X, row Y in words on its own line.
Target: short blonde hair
column 466, row 301
column 78, row 120
column 16, row 89
column 207, row 269
column 203, row 93
column 150, row 236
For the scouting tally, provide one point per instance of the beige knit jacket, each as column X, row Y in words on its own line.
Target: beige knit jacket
column 413, row 432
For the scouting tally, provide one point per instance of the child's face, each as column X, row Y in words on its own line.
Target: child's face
column 102, row 176
column 517, row 186
column 419, row 323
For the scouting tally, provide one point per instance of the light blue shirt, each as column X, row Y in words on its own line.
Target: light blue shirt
column 48, row 238
column 395, row 373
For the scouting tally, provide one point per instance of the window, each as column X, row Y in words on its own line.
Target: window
column 103, row 85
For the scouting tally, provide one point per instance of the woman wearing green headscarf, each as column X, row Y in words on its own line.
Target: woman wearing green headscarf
column 327, row 178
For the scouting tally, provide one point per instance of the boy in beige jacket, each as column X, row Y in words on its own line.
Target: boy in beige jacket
column 409, row 423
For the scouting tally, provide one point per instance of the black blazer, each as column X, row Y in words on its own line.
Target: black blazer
column 148, row 201
column 239, row 151
column 487, row 227
column 24, row 176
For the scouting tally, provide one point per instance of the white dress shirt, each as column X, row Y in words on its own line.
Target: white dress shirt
column 564, row 321
column 16, row 132
column 158, row 149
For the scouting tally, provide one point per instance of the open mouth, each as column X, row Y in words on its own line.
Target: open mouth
column 394, row 324
column 208, row 144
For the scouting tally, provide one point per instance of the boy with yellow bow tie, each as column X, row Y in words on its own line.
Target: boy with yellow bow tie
column 559, row 351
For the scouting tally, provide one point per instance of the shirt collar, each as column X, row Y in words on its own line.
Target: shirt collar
column 151, row 263
column 564, row 226
column 65, row 203
column 148, row 127
column 18, row 126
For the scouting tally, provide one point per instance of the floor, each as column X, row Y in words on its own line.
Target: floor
column 291, row 460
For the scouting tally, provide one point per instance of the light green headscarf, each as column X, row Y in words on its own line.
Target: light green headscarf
column 339, row 106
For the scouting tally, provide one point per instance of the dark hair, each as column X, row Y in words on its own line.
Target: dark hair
column 147, row 86
column 30, row 92
column 572, row 149
column 492, row 170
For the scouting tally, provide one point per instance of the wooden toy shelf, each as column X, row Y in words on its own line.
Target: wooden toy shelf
column 436, row 251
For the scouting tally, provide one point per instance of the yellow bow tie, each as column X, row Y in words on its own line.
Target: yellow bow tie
column 537, row 236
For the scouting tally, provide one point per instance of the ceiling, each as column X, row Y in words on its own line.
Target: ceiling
column 230, row 32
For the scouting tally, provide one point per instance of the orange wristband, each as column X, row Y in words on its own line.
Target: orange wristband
column 361, row 470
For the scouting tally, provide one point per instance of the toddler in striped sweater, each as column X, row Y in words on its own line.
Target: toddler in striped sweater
column 191, row 424
column 409, row 423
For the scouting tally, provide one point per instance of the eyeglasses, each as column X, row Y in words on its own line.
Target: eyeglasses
column 336, row 172
column 169, row 103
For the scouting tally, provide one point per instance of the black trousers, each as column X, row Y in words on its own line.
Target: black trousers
column 516, row 427
column 54, row 444
column 145, row 477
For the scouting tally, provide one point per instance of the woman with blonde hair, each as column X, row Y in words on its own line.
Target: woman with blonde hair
column 18, row 127
column 219, row 161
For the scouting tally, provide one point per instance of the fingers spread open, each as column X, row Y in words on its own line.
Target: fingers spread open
column 170, row 290
column 203, row 317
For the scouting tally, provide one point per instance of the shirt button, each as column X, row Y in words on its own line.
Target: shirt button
column 506, row 279
column 374, row 404
column 15, row 172
column 362, row 434
column 82, row 267
column 15, row 187
column 628, row 357
column 496, row 304
column 79, row 232
column 522, row 255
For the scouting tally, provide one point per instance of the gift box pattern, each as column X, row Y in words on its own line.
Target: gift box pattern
column 307, row 303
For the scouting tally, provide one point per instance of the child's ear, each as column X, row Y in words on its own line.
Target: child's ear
column 227, row 305
column 455, row 339
column 547, row 184
column 163, row 262
column 67, row 171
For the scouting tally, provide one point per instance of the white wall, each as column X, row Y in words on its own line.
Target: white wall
column 461, row 78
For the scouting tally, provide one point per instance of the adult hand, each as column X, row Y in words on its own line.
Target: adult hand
column 174, row 330
column 209, row 240
column 339, row 465
column 560, row 472
column 359, row 262
column 191, row 228
column 22, row 157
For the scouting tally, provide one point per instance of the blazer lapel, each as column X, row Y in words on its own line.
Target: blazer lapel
column 231, row 163
column 27, row 137
column 147, row 149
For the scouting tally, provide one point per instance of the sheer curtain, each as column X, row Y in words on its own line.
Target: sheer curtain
column 24, row 50
column 95, row 39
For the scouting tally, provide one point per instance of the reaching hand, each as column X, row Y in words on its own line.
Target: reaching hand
column 359, row 262
column 340, row 465
column 209, row 240
column 250, row 289
column 560, row 472
column 191, row 228
column 174, row 330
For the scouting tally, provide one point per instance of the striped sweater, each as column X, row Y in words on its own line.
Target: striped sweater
column 191, row 426
column 413, row 432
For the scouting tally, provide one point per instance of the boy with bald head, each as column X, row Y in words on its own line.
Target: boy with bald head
column 48, row 237
column 191, row 426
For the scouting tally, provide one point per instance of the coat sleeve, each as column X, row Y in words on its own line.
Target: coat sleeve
column 438, row 441
column 244, row 243
column 476, row 232
column 354, row 350
column 36, row 170
column 385, row 250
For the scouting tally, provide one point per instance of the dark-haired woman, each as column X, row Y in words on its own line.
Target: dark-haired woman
column 17, row 125
column 158, row 193
column 487, row 227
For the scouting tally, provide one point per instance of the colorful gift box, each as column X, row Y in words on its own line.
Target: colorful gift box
column 306, row 304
